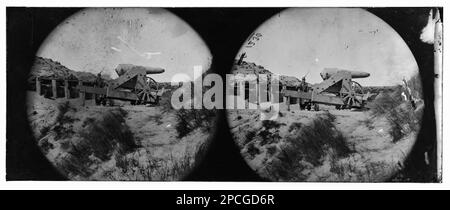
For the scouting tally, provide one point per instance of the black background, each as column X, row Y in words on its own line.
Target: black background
column 224, row 30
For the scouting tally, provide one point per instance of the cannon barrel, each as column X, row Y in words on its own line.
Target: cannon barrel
column 359, row 74
column 123, row 68
column 154, row 70
column 328, row 72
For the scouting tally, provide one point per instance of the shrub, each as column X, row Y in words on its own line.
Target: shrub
column 106, row 134
column 269, row 124
column 368, row 123
column 270, row 133
column 44, row 131
column 252, row 150
column 285, row 167
column 168, row 168
column 249, row 136
column 268, row 137
column 73, row 166
column 399, row 113
column 61, row 117
column 295, row 127
column 385, row 102
column 306, row 146
column 312, row 141
column 191, row 119
column 271, row 149
column 45, row 145
column 179, row 166
column 415, row 84
column 62, row 125
column 164, row 101
column 101, row 137
column 126, row 165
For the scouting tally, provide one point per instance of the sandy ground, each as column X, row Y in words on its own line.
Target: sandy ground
column 374, row 156
column 160, row 155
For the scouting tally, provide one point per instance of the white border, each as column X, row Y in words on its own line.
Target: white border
column 212, row 185
column 226, row 3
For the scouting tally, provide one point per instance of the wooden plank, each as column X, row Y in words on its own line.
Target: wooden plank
column 288, row 102
column 110, row 93
column 314, row 97
column 297, row 94
column 81, row 94
column 327, row 99
column 66, row 89
column 115, row 94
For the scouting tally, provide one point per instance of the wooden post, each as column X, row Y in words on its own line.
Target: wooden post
column 258, row 97
column 38, row 86
column 81, row 94
column 66, row 89
column 288, row 103
column 286, row 98
column 438, row 71
column 54, row 88
column 94, row 96
column 269, row 89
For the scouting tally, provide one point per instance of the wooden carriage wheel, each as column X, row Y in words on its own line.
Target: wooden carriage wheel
column 149, row 93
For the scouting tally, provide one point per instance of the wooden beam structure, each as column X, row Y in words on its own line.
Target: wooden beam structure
column 81, row 94
column 66, row 89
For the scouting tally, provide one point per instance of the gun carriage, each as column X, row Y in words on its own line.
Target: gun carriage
column 133, row 84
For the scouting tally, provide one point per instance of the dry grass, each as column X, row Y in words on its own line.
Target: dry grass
column 106, row 134
column 187, row 119
column 313, row 141
column 369, row 172
column 99, row 139
column 399, row 113
column 164, row 101
column 190, row 119
column 307, row 146
column 131, row 168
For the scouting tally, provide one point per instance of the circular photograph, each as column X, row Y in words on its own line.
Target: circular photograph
column 100, row 96
column 325, row 94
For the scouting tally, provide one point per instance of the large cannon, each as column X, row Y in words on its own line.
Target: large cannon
column 338, row 89
column 133, row 84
